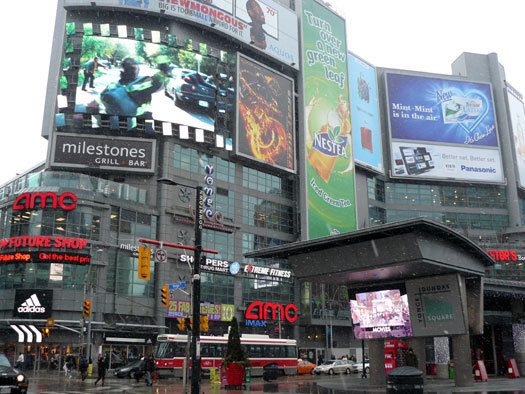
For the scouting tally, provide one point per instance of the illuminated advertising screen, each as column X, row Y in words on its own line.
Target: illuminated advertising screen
column 265, row 115
column 517, row 120
column 215, row 312
column 263, row 24
column 364, row 109
column 381, row 314
column 442, row 129
column 130, row 78
column 329, row 168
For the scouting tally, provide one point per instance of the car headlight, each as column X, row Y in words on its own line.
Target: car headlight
column 20, row 378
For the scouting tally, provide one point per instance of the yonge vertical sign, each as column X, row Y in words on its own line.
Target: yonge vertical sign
column 330, row 163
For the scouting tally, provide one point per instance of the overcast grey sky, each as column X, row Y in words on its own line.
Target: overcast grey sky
column 406, row 34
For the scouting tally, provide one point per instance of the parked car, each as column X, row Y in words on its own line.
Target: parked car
column 360, row 367
column 12, row 380
column 305, row 366
column 129, row 371
column 192, row 87
column 334, row 366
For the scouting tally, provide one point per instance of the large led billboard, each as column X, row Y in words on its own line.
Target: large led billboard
column 517, row 119
column 131, row 78
column 265, row 115
column 442, row 129
column 364, row 109
column 263, row 24
column 381, row 314
column 329, row 167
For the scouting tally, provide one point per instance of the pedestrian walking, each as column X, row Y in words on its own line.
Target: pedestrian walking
column 83, row 365
column 411, row 358
column 101, row 369
column 149, row 369
column 20, row 361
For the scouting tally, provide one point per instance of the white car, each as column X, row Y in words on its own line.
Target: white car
column 360, row 367
column 334, row 366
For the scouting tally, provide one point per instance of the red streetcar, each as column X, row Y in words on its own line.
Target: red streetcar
column 261, row 350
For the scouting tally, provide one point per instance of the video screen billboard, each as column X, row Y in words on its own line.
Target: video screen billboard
column 381, row 314
column 263, row 24
column 364, row 110
column 329, row 167
column 132, row 78
column 442, row 129
column 265, row 115
column 517, row 119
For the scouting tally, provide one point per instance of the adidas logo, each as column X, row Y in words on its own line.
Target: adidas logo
column 32, row 305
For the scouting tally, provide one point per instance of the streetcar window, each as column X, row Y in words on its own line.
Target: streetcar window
column 291, row 351
column 170, row 350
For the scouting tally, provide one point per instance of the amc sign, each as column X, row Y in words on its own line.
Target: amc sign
column 66, row 201
column 259, row 311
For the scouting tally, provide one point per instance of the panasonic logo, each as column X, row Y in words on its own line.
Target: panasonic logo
column 32, row 305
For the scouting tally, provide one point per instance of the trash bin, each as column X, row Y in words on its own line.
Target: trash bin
column 451, row 373
column 406, row 380
column 247, row 375
column 271, row 372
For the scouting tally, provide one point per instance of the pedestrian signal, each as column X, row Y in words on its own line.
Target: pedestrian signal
column 164, row 295
column 87, row 308
column 144, row 262
column 204, row 323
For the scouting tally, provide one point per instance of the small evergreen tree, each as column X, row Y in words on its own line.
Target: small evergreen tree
column 234, row 352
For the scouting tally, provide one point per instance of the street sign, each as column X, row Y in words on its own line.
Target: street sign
column 180, row 285
column 161, row 256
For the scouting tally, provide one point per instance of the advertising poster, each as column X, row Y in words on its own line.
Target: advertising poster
column 517, row 119
column 33, row 304
column 442, row 129
column 364, row 110
column 435, row 306
column 328, row 131
column 215, row 312
column 381, row 314
column 131, row 78
column 263, row 24
column 265, row 116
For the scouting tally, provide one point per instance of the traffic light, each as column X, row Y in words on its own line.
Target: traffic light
column 189, row 323
column 144, row 262
column 164, row 295
column 45, row 332
column 181, row 324
column 87, row 308
column 204, row 323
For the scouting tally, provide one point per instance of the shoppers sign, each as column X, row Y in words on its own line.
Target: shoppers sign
column 328, row 138
column 442, row 129
column 215, row 312
column 33, row 304
column 66, row 201
column 435, row 306
column 103, row 153
column 264, row 25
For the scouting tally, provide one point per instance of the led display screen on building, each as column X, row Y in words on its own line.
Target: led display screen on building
column 364, row 108
column 329, row 168
column 265, row 115
column 381, row 314
column 132, row 78
column 442, row 129
column 517, row 120
column 263, row 24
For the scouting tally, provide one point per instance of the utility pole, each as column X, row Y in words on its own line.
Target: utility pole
column 88, row 355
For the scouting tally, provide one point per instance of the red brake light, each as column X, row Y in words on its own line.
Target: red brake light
column 188, row 79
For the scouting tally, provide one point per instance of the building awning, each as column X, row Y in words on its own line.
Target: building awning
column 392, row 252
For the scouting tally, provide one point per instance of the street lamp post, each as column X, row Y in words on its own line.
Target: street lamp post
column 196, row 283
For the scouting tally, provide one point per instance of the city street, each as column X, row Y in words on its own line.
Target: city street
column 50, row 384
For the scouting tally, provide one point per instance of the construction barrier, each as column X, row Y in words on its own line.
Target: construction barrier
column 513, row 371
column 480, row 372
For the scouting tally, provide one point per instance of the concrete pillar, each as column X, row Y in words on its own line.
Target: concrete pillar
column 376, row 348
column 462, row 362
column 418, row 345
column 442, row 356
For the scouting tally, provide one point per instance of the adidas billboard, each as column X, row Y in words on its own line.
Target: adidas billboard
column 34, row 304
